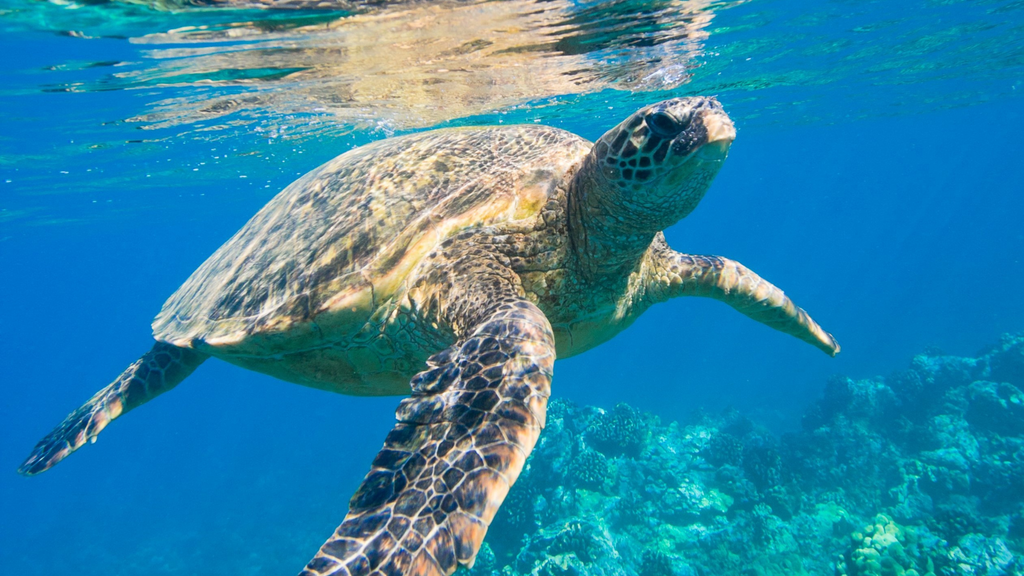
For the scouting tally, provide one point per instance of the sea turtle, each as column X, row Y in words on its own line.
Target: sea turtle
column 452, row 265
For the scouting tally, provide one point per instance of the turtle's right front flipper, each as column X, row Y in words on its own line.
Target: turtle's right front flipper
column 676, row 274
column 159, row 370
column 459, row 445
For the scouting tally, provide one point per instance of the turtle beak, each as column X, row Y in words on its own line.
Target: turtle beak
column 720, row 128
column 699, row 126
column 721, row 133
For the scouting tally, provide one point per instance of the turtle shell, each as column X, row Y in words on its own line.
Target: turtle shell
column 312, row 265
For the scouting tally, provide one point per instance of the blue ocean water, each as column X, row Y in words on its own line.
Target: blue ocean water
column 876, row 177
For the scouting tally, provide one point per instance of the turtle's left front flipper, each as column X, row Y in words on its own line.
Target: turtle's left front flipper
column 460, row 442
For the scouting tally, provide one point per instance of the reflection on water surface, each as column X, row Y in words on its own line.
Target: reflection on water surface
column 193, row 87
column 417, row 64
column 337, row 66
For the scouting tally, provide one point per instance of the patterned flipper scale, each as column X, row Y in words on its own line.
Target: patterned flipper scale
column 738, row 286
column 677, row 274
column 156, row 372
column 460, row 443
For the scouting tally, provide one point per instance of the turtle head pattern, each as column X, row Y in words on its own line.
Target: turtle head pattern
column 643, row 176
column 663, row 157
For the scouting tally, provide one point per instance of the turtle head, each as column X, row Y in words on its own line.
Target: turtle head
column 641, row 177
column 660, row 161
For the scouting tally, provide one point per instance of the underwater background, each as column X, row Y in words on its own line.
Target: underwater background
column 877, row 177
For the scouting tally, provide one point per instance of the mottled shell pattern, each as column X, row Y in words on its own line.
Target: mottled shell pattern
column 312, row 265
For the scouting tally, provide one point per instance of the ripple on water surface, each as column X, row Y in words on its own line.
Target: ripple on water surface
column 240, row 77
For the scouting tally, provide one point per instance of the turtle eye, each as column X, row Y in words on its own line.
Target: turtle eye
column 665, row 125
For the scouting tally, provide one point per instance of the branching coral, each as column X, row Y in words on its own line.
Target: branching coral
column 762, row 462
column 655, row 563
column 632, row 509
column 589, row 469
column 624, row 430
column 978, row 555
column 956, row 520
column 996, row 408
column 575, row 538
column 573, row 547
column 724, row 449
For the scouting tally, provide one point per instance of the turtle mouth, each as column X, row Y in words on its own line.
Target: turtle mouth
column 720, row 129
column 709, row 136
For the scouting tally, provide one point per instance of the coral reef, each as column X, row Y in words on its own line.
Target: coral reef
column 622, row 431
column 589, row 469
column 920, row 473
column 885, row 548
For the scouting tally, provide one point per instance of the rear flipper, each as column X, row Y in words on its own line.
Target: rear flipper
column 159, row 370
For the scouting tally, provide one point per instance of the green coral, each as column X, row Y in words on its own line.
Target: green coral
column 881, row 549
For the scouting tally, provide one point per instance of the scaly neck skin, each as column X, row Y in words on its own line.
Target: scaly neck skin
column 608, row 235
